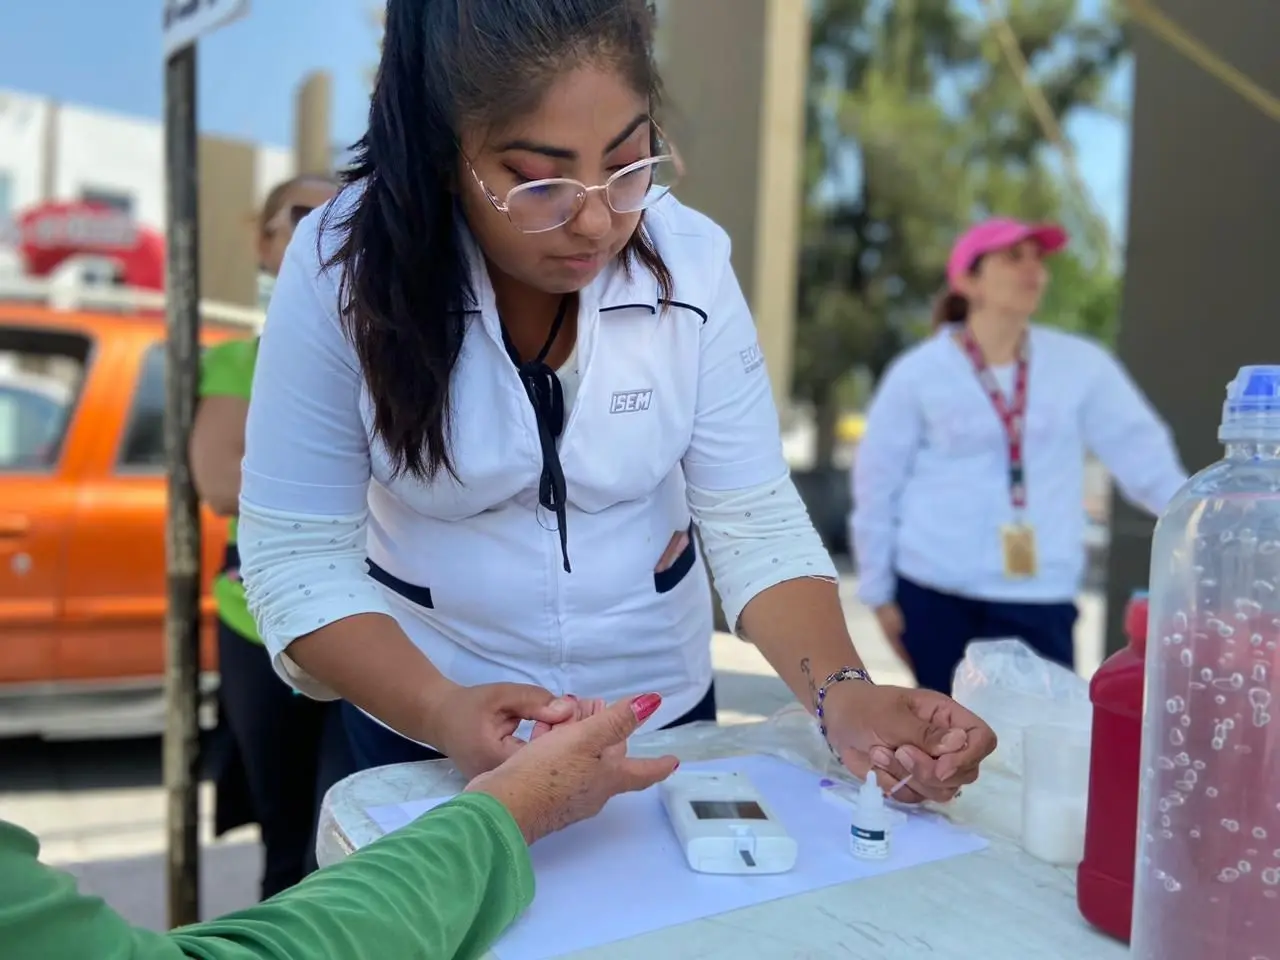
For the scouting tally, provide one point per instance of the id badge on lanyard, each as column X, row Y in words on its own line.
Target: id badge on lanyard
column 1017, row 539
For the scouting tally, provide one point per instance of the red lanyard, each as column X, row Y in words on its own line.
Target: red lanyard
column 1012, row 414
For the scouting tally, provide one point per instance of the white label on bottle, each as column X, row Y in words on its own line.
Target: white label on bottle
column 868, row 844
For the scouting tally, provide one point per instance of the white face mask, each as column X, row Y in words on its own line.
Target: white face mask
column 266, row 286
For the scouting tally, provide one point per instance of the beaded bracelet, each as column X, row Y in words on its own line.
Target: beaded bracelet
column 844, row 673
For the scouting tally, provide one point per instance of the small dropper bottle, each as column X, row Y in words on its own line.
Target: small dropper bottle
column 869, row 829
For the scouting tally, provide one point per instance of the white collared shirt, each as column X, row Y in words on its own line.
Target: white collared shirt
column 670, row 396
column 931, row 476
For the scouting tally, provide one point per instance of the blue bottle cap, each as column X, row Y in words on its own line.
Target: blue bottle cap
column 1252, row 408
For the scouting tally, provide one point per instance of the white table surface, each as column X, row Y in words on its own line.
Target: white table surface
column 995, row 904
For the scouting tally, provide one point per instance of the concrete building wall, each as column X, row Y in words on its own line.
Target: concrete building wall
column 714, row 115
column 110, row 157
column 228, row 202
column 1201, row 297
column 22, row 133
column 735, row 73
column 312, row 148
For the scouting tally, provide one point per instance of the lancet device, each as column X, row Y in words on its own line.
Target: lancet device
column 724, row 825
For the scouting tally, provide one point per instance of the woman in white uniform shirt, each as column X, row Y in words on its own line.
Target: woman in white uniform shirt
column 501, row 376
column 968, row 515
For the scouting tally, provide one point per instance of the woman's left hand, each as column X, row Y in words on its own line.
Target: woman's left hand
column 894, row 732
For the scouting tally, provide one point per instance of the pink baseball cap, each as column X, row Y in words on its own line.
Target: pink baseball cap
column 997, row 234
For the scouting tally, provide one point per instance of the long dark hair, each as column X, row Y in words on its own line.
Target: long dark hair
column 404, row 281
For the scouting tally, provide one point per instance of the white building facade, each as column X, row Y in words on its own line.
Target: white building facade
column 51, row 151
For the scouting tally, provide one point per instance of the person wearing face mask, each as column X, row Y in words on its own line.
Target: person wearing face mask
column 969, row 481
column 278, row 739
column 503, row 376
column 282, row 210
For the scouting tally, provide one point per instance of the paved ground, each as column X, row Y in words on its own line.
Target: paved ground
column 99, row 811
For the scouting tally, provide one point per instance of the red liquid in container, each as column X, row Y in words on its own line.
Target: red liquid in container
column 1104, row 889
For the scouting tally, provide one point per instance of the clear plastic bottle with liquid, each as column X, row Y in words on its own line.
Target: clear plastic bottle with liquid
column 1207, row 877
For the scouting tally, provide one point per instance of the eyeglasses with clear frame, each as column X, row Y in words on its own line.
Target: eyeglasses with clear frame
column 540, row 206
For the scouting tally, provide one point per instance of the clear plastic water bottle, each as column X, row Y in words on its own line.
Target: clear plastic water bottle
column 1207, row 878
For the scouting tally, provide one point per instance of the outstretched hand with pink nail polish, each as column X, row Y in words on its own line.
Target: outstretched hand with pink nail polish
column 569, row 772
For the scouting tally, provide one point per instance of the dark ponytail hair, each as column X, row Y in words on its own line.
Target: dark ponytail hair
column 404, row 278
column 952, row 307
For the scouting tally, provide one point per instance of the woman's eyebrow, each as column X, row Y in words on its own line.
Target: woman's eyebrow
column 561, row 153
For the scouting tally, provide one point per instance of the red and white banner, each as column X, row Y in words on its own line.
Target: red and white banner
column 52, row 233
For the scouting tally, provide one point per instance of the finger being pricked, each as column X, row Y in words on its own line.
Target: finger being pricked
column 920, row 771
column 888, row 774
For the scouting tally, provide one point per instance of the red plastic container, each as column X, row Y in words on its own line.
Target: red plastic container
column 1105, row 877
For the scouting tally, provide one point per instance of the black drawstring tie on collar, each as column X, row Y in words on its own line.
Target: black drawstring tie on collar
column 547, row 396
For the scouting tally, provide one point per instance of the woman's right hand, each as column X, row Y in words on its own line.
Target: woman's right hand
column 475, row 726
column 892, row 625
column 571, row 771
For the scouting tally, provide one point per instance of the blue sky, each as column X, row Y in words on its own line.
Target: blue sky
column 1102, row 146
column 107, row 54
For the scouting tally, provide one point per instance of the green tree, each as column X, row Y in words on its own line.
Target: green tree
column 1083, row 297
column 885, row 188
column 917, row 125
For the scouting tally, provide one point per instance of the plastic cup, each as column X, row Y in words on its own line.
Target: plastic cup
column 1055, row 792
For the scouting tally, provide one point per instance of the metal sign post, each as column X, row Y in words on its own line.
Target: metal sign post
column 185, row 21
column 182, row 530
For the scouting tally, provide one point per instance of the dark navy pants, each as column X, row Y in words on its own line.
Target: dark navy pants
column 292, row 750
column 373, row 745
column 940, row 625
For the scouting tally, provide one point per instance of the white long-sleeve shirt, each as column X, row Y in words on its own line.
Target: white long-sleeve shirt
column 931, row 476
column 670, row 419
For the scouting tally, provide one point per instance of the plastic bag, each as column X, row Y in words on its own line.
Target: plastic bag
column 1012, row 687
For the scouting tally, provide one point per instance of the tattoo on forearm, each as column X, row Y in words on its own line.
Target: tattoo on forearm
column 813, row 685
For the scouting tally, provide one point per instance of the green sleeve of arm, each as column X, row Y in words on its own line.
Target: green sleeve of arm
column 446, row 886
column 44, row 917
column 226, row 370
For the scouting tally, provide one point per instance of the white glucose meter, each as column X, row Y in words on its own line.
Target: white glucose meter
column 725, row 825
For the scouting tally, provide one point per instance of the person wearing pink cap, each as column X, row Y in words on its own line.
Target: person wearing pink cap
column 969, row 481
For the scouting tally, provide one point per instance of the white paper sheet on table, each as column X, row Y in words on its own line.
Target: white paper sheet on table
column 622, row 873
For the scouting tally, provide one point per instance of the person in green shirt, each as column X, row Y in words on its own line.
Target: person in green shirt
column 289, row 748
column 445, row 886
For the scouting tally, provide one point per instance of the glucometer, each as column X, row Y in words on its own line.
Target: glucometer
column 724, row 825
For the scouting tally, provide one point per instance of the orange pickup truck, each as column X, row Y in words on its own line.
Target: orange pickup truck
column 82, row 518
